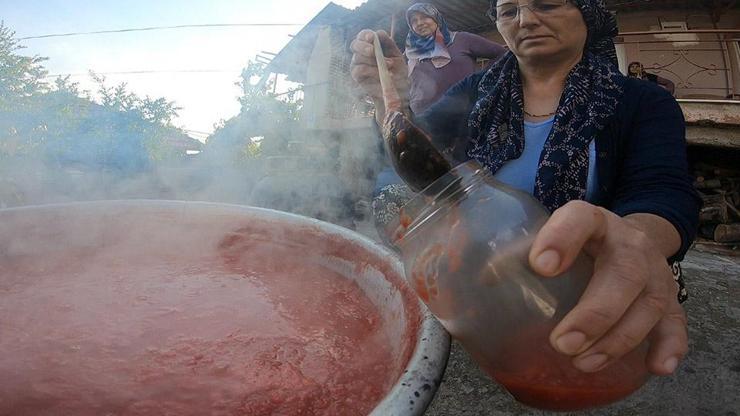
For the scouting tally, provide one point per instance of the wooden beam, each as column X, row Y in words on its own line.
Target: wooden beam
column 714, row 137
column 675, row 32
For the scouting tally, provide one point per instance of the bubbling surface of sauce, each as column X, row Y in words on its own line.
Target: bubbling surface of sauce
column 251, row 330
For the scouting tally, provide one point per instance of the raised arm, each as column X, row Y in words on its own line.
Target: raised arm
column 481, row 47
column 447, row 120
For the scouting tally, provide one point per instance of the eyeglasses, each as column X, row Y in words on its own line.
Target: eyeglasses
column 508, row 12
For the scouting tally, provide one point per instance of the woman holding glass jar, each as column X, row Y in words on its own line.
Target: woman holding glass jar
column 604, row 153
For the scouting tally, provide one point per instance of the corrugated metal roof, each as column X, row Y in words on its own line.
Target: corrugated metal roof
column 470, row 15
column 464, row 15
column 632, row 5
column 293, row 58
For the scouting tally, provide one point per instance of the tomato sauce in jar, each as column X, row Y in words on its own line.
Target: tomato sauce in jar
column 539, row 376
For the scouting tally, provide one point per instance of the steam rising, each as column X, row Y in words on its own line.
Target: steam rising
column 311, row 153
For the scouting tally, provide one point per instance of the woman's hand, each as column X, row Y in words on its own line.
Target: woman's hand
column 631, row 296
column 364, row 68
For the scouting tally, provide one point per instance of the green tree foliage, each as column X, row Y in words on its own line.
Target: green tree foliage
column 118, row 98
column 20, row 76
column 60, row 123
column 265, row 114
column 145, row 118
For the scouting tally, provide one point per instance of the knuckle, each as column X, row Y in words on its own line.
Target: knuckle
column 598, row 317
column 625, row 341
column 560, row 228
column 679, row 316
column 362, row 48
column 358, row 46
column 580, row 210
column 630, row 274
column 656, row 302
column 361, row 72
column 639, row 240
column 356, row 73
column 579, row 205
column 635, row 246
column 682, row 344
column 679, row 340
column 575, row 216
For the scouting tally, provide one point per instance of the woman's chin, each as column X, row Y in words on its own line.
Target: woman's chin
column 535, row 54
column 542, row 53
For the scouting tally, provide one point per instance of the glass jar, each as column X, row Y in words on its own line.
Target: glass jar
column 465, row 243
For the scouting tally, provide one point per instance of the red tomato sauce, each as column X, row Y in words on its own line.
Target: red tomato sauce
column 251, row 330
column 538, row 376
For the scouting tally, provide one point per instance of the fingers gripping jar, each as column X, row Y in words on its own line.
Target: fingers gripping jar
column 465, row 243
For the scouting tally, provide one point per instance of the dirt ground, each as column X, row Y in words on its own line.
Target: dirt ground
column 706, row 384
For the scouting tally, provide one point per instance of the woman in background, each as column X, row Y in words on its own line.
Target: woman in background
column 636, row 70
column 439, row 58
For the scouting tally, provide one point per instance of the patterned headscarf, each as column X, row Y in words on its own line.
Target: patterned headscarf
column 430, row 47
column 592, row 91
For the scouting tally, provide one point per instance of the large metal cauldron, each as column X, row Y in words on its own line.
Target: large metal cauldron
column 183, row 230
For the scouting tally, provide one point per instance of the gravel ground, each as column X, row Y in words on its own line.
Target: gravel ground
column 707, row 383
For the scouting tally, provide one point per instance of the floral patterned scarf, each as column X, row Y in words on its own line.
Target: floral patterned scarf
column 593, row 89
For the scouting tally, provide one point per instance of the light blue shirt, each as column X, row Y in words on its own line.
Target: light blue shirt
column 521, row 173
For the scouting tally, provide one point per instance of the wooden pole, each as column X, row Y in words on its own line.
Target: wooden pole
column 394, row 22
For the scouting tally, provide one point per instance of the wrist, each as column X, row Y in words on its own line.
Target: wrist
column 658, row 230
